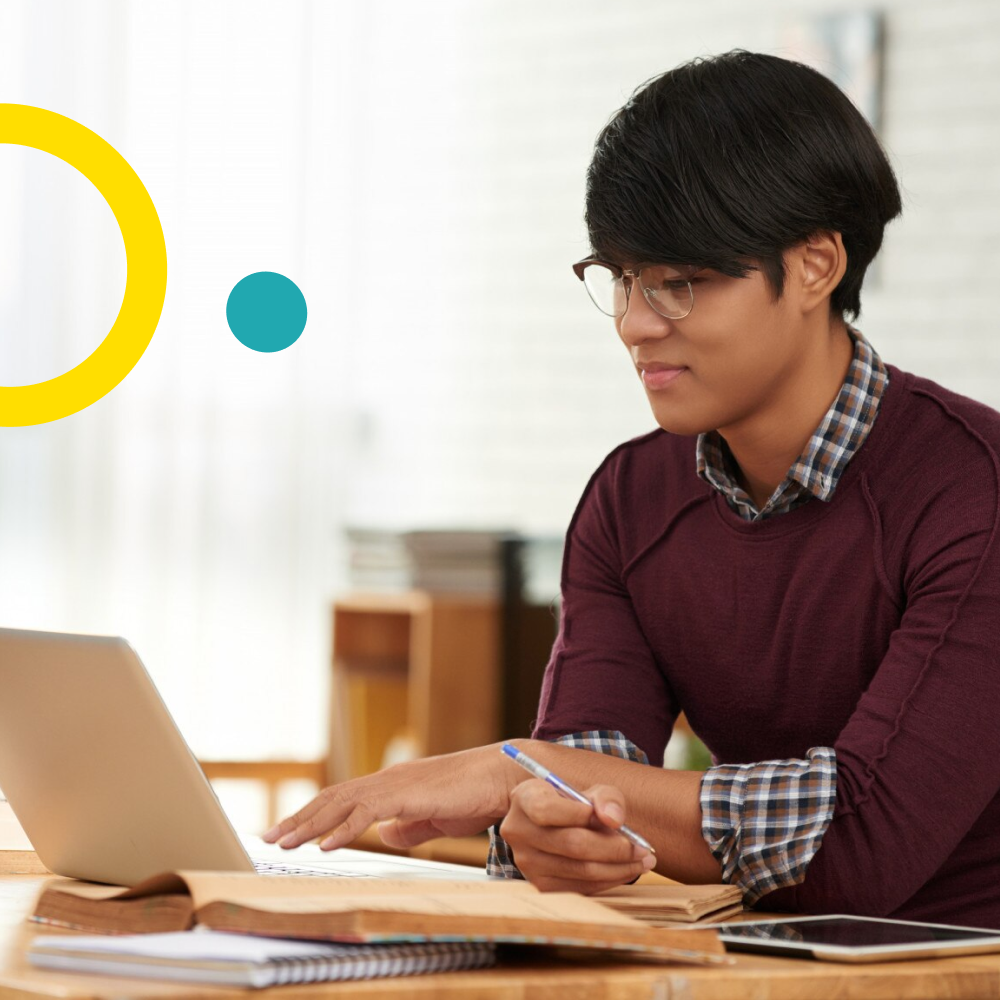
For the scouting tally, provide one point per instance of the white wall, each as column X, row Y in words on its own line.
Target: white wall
column 195, row 508
column 530, row 387
column 418, row 169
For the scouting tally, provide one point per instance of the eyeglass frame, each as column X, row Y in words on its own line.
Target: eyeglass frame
column 581, row 265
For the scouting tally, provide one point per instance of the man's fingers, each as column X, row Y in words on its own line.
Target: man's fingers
column 407, row 832
column 292, row 823
column 544, row 806
column 560, row 844
column 542, row 818
column 311, row 823
column 327, row 812
column 353, row 825
column 578, row 874
column 609, row 804
column 579, row 842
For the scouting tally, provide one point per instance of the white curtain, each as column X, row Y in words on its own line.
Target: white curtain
column 195, row 509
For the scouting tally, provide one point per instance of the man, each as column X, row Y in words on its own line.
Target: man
column 803, row 558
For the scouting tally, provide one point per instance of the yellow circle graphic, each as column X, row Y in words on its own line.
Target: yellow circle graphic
column 145, row 256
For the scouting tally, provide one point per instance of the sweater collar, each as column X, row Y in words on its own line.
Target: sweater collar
column 816, row 472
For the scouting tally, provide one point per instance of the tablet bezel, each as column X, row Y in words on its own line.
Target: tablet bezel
column 859, row 953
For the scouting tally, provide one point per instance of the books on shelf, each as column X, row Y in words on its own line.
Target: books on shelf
column 363, row 911
column 220, row 959
column 378, row 560
column 466, row 562
column 445, row 561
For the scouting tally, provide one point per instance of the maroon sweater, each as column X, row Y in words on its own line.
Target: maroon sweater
column 870, row 623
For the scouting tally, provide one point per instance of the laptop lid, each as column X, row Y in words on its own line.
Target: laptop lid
column 94, row 767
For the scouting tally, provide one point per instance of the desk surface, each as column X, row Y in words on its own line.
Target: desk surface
column 753, row 976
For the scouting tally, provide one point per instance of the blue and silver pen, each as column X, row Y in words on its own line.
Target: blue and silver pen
column 533, row 767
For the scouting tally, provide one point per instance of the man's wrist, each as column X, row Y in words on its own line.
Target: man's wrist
column 512, row 775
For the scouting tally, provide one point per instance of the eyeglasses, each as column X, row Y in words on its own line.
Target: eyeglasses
column 667, row 289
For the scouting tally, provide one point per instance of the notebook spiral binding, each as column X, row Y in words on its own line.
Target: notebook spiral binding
column 378, row 961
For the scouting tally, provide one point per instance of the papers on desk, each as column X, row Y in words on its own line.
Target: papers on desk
column 237, row 960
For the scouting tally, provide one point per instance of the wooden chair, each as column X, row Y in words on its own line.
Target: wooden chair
column 270, row 773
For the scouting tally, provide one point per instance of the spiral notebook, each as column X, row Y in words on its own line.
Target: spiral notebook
column 221, row 959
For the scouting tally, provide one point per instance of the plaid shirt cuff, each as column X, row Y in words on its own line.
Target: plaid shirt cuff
column 500, row 860
column 764, row 822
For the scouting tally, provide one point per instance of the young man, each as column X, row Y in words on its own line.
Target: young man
column 803, row 558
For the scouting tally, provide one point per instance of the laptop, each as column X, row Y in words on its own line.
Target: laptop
column 105, row 787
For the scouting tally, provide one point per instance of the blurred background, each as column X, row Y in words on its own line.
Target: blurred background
column 418, row 170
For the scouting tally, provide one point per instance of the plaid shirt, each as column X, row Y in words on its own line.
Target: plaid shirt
column 764, row 822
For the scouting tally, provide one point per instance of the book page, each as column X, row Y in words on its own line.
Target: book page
column 165, row 884
column 85, row 890
column 255, row 890
column 564, row 919
column 667, row 898
column 564, row 907
column 679, row 894
column 206, row 887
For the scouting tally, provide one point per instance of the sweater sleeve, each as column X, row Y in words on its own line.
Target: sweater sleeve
column 602, row 674
column 919, row 759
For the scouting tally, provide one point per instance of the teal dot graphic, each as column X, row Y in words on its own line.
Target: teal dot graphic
column 266, row 311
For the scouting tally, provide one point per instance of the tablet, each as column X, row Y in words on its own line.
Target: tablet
column 840, row 938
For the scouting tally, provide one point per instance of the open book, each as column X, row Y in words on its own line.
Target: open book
column 364, row 911
column 668, row 905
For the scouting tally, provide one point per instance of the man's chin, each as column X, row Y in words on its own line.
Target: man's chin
column 681, row 426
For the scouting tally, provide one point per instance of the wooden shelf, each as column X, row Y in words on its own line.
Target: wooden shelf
column 416, row 665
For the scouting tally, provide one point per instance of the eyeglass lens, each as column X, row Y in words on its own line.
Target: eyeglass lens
column 666, row 289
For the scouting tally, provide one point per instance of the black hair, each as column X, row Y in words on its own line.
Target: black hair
column 726, row 162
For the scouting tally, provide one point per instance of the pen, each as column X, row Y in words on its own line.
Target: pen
column 533, row 767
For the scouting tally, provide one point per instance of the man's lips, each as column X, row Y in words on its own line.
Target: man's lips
column 656, row 375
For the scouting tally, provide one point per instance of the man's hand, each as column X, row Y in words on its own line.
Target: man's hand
column 448, row 796
column 565, row 846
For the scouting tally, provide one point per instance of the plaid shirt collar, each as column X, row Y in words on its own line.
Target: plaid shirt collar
column 818, row 469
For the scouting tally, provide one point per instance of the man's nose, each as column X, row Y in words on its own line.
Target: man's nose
column 641, row 322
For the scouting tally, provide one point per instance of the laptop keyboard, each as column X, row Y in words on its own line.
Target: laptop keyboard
column 280, row 868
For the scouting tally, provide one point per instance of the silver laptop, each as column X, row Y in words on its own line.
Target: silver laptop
column 107, row 790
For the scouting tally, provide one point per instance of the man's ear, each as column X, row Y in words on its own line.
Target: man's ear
column 818, row 264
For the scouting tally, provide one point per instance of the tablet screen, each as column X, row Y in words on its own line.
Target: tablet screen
column 852, row 932
column 825, row 936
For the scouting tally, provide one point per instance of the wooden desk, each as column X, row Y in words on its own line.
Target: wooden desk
column 753, row 977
